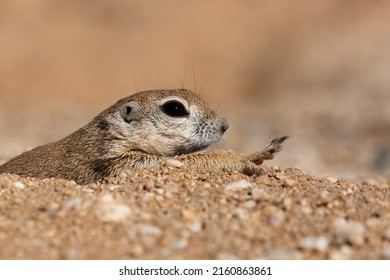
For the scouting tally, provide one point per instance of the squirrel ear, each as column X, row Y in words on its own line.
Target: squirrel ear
column 126, row 113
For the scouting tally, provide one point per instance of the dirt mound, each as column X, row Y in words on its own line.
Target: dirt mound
column 170, row 213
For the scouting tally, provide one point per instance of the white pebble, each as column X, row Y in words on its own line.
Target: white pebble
column 241, row 213
column 105, row 198
column 276, row 168
column 259, row 194
column 349, row 231
column 319, row 244
column 88, row 191
column 113, row 212
column 250, row 204
column 289, row 182
column 276, row 218
column 238, row 185
column 195, row 227
column 174, row 163
column 70, row 203
column 331, row 179
column 114, row 187
column 159, row 191
column 179, row 244
column 149, row 229
column 19, row 185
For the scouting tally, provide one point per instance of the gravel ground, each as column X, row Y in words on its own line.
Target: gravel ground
column 318, row 73
column 179, row 213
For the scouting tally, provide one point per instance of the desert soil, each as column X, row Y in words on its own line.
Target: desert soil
column 319, row 73
column 179, row 213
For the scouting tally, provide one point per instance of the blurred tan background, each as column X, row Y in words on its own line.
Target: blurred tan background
column 316, row 70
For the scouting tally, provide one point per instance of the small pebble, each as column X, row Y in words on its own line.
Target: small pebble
column 273, row 215
column 289, row 182
column 105, row 198
column 331, row 179
column 280, row 176
column 88, row 190
column 70, row 184
column 280, row 254
column 373, row 223
column 174, row 163
column 148, row 197
column 123, row 176
column 276, row 168
column 188, row 214
column 137, row 250
column 171, row 188
column 349, row 231
column 264, row 180
column 238, row 185
column 159, row 191
column 179, row 244
column 149, row 184
column 344, row 253
column 149, row 229
column 324, row 195
column 259, row 194
column 114, row 187
column 134, row 179
column 70, row 203
column 276, row 218
column 241, row 213
column 386, row 253
column 319, row 244
column 195, row 227
column 110, row 211
column 250, row 204
column 19, row 185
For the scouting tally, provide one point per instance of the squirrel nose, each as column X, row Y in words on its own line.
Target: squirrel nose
column 224, row 125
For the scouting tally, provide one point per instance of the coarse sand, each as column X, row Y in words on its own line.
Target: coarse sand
column 318, row 73
column 178, row 213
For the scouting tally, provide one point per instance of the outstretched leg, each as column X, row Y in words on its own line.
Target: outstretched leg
column 247, row 164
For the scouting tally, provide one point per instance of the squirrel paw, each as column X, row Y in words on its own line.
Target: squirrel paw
column 268, row 151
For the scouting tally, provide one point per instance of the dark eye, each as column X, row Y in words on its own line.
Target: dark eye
column 174, row 109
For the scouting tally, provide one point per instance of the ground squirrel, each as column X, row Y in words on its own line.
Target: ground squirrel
column 140, row 131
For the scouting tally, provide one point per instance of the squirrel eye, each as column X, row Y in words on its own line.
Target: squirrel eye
column 174, row 109
column 128, row 110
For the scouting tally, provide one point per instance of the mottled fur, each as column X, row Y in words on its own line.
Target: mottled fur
column 144, row 136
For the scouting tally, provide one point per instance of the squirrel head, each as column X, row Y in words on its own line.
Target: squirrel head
column 162, row 122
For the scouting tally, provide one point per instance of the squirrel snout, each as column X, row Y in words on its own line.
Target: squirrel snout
column 224, row 124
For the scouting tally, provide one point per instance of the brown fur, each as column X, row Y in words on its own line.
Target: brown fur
column 104, row 146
